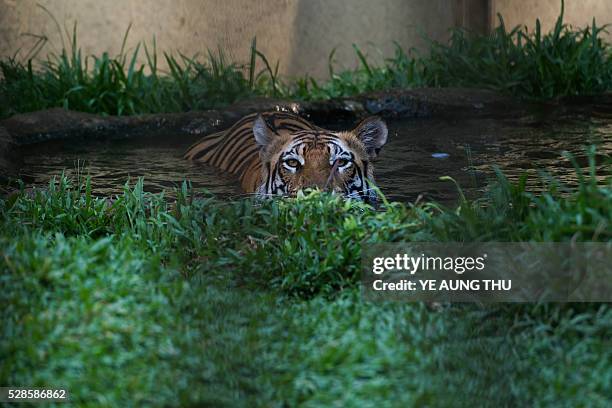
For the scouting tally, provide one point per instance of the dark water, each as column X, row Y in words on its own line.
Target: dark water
column 418, row 153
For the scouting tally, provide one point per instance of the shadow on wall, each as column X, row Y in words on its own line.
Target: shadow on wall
column 322, row 26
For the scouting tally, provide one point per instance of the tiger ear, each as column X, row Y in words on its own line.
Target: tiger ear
column 263, row 133
column 373, row 133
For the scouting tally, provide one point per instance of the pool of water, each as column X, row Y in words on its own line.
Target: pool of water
column 418, row 153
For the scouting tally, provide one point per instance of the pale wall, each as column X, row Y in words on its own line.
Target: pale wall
column 578, row 13
column 323, row 25
column 189, row 26
column 299, row 33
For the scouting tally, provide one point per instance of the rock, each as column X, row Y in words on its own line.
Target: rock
column 326, row 110
column 59, row 124
column 396, row 103
column 10, row 156
column 440, row 102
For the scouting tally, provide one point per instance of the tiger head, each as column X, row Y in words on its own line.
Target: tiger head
column 338, row 162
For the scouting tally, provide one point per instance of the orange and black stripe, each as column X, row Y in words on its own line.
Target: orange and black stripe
column 235, row 150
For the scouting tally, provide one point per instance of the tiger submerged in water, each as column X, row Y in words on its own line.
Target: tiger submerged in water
column 279, row 154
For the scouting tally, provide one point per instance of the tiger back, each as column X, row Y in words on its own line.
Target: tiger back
column 235, row 149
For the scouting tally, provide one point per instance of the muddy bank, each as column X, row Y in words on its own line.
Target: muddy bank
column 55, row 124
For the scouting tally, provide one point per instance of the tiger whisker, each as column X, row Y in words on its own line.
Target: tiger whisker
column 332, row 174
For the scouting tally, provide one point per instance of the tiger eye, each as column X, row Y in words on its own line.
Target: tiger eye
column 342, row 162
column 292, row 162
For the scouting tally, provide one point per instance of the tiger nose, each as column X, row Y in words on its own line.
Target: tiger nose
column 321, row 181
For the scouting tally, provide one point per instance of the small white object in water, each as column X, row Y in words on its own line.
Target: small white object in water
column 439, row 155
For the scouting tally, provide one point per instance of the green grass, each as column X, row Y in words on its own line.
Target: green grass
column 402, row 70
column 532, row 65
column 118, row 85
column 535, row 65
column 135, row 301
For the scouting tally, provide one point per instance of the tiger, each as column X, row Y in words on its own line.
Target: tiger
column 280, row 154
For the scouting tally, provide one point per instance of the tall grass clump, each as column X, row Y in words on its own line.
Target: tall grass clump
column 538, row 65
column 401, row 70
column 312, row 245
column 527, row 64
column 121, row 85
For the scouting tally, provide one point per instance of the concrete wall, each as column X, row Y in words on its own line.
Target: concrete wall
column 189, row 26
column 299, row 33
column 322, row 25
column 578, row 13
